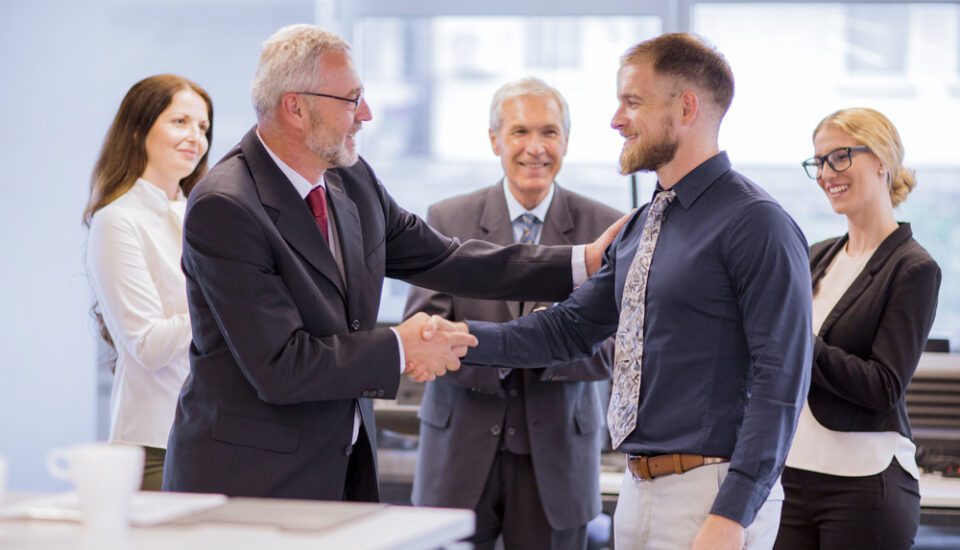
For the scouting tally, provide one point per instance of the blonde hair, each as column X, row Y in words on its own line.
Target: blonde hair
column 522, row 87
column 289, row 63
column 873, row 129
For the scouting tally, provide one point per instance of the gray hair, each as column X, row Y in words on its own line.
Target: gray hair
column 526, row 86
column 288, row 63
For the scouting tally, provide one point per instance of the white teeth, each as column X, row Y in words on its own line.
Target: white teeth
column 837, row 189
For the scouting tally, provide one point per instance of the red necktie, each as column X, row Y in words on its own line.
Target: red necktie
column 317, row 201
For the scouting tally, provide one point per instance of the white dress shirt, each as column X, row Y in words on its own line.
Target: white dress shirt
column 853, row 454
column 133, row 265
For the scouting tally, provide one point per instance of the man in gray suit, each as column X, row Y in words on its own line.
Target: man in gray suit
column 521, row 448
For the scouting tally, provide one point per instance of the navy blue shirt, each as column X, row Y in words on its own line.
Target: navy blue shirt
column 727, row 332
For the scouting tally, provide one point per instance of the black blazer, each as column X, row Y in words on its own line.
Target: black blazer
column 284, row 347
column 868, row 347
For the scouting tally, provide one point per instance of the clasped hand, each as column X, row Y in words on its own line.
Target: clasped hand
column 433, row 345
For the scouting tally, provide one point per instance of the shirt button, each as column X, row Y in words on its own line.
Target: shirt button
column 511, row 431
column 495, row 430
column 355, row 325
column 348, row 450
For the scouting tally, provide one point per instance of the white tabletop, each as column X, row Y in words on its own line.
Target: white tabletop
column 393, row 527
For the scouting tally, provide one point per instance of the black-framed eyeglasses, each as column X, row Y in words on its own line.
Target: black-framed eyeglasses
column 355, row 100
column 839, row 160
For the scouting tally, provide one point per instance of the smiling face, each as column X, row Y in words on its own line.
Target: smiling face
column 859, row 188
column 177, row 140
column 645, row 119
column 333, row 124
column 531, row 144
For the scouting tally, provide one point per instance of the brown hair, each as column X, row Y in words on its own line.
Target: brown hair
column 873, row 129
column 689, row 58
column 123, row 157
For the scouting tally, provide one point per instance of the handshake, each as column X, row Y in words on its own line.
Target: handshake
column 433, row 345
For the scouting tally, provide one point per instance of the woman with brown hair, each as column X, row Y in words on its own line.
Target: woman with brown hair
column 851, row 479
column 154, row 153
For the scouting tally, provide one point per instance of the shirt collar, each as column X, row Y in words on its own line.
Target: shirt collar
column 155, row 197
column 516, row 209
column 691, row 186
column 300, row 183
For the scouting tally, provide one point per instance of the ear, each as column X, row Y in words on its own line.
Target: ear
column 690, row 103
column 494, row 143
column 293, row 110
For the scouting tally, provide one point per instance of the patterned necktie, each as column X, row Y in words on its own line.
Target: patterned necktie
column 529, row 224
column 317, row 201
column 628, row 352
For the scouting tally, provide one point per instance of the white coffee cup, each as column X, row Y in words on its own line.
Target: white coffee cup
column 105, row 477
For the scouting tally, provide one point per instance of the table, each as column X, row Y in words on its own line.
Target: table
column 387, row 527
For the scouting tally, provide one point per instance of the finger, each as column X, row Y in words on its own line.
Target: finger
column 459, row 351
column 454, row 339
column 429, row 328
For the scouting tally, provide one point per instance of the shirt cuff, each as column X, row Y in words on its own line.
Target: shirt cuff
column 400, row 348
column 739, row 499
column 578, row 264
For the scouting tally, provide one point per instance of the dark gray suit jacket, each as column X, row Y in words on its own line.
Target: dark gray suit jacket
column 283, row 347
column 563, row 410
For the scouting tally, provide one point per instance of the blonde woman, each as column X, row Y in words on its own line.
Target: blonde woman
column 154, row 153
column 851, row 479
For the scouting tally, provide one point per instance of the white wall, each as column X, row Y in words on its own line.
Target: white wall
column 64, row 67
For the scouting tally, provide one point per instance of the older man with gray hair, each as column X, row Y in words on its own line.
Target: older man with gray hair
column 519, row 447
column 286, row 245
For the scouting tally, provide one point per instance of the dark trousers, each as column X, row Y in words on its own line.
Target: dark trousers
column 361, row 483
column 153, row 468
column 510, row 505
column 828, row 512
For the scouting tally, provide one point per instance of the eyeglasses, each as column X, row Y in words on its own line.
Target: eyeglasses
column 355, row 100
column 838, row 159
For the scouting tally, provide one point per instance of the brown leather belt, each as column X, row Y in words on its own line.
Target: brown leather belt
column 649, row 467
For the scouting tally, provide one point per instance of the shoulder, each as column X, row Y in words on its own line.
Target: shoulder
column 457, row 203
column 120, row 215
column 912, row 257
column 818, row 248
column 231, row 176
column 594, row 208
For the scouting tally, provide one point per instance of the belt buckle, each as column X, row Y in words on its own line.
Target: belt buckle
column 638, row 477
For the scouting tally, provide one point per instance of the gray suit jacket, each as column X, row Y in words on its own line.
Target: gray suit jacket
column 564, row 413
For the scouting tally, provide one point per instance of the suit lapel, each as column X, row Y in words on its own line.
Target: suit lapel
column 349, row 233
column 863, row 280
column 288, row 211
column 497, row 228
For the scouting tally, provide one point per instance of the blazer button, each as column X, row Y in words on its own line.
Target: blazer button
column 511, row 431
column 380, row 393
column 495, row 430
column 355, row 325
column 514, row 393
column 348, row 450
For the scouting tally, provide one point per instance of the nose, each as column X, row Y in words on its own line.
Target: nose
column 535, row 145
column 617, row 122
column 364, row 114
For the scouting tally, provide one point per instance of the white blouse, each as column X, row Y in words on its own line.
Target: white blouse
column 818, row 449
column 133, row 264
